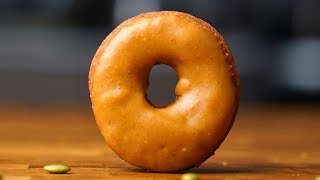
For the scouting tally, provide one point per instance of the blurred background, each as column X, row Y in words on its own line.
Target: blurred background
column 46, row 47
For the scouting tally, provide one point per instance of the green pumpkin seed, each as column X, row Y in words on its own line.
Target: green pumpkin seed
column 189, row 176
column 318, row 178
column 57, row 168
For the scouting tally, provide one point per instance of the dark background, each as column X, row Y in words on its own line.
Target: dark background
column 46, row 46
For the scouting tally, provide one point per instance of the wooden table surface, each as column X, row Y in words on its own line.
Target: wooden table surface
column 266, row 142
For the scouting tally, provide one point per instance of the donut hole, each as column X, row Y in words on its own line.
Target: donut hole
column 162, row 82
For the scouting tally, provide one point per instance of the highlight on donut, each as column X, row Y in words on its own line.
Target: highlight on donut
column 188, row 131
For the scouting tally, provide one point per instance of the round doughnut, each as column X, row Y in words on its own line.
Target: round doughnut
column 185, row 133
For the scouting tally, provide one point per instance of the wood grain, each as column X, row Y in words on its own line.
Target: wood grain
column 276, row 141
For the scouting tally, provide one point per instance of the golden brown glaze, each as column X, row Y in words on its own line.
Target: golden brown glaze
column 188, row 131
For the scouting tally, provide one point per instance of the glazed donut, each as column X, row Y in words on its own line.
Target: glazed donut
column 188, row 131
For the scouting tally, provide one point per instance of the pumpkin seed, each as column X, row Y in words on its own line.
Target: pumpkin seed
column 189, row 176
column 57, row 168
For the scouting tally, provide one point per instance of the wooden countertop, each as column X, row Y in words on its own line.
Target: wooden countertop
column 266, row 142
